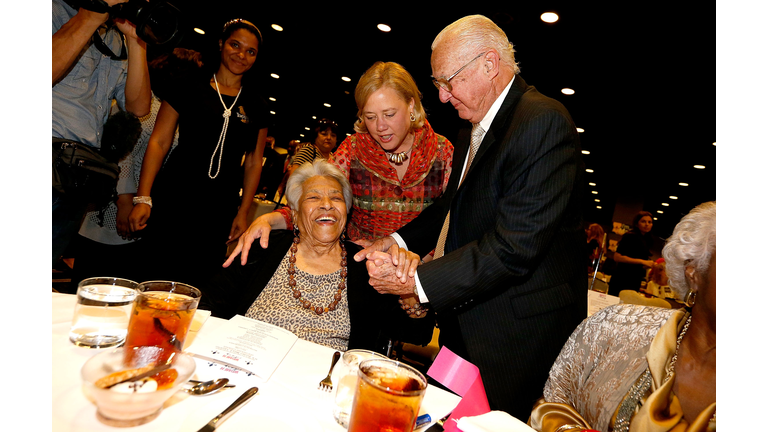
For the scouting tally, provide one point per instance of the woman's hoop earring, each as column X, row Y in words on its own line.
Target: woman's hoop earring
column 413, row 117
column 690, row 298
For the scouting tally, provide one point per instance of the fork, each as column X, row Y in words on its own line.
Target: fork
column 326, row 384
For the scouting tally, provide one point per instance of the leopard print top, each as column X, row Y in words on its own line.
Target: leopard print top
column 276, row 305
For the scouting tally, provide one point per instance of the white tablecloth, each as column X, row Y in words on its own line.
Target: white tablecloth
column 289, row 401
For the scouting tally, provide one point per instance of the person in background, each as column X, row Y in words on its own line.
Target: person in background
column 303, row 281
column 85, row 81
column 190, row 208
column 595, row 234
column 395, row 161
column 507, row 283
column 105, row 244
column 658, row 282
column 633, row 255
column 322, row 143
column 642, row 368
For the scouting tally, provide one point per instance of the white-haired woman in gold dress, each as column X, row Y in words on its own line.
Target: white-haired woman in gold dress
column 638, row 368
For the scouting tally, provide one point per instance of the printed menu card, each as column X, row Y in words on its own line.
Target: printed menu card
column 246, row 344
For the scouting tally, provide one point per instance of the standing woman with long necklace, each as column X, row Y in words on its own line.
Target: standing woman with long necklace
column 188, row 211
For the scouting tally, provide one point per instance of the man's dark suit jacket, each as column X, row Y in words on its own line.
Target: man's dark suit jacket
column 373, row 318
column 512, row 286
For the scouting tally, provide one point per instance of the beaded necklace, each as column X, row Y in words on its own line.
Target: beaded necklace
column 297, row 293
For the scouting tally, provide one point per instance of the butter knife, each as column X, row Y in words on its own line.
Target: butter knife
column 245, row 397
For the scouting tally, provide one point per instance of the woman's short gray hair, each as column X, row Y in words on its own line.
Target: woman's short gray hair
column 692, row 243
column 320, row 167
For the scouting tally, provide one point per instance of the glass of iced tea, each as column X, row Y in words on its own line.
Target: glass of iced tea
column 161, row 316
column 344, row 378
column 387, row 398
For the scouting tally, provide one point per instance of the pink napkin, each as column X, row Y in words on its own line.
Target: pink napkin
column 463, row 378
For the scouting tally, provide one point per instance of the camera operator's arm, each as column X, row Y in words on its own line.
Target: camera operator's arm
column 69, row 40
column 138, row 95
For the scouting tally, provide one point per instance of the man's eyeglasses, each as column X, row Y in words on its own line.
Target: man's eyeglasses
column 445, row 83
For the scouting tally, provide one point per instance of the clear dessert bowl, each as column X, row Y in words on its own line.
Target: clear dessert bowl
column 132, row 403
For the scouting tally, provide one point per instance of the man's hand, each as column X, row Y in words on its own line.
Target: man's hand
column 127, row 28
column 381, row 245
column 405, row 261
column 383, row 279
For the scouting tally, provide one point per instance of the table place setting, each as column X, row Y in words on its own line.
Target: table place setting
column 133, row 361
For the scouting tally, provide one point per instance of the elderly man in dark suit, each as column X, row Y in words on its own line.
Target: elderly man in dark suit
column 511, row 286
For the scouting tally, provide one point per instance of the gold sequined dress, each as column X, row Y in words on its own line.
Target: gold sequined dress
column 610, row 375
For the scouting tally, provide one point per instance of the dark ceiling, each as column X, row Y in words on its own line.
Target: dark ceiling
column 643, row 75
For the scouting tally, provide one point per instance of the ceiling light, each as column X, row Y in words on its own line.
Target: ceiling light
column 274, row 75
column 672, row 197
column 599, row 207
column 549, row 17
column 306, row 128
column 714, row 143
column 592, row 184
column 683, row 184
column 383, row 27
column 585, row 152
column 273, row 99
column 590, row 170
column 655, row 218
column 567, row 91
column 597, row 200
column 346, row 79
column 327, row 105
column 272, row 112
column 659, row 211
column 594, row 192
column 277, row 27
column 199, row 30
column 699, row 166
column 665, row 204
column 580, row 130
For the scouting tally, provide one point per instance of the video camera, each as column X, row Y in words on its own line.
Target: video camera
column 157, row 22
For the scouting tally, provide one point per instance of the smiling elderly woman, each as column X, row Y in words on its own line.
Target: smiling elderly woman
column 303, row 281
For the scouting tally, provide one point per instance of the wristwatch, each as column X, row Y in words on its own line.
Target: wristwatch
column 143, row 200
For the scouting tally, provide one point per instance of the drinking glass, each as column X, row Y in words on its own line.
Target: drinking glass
column 161, row 316
column 387, row 397
column 102, row 312
column 344, row 378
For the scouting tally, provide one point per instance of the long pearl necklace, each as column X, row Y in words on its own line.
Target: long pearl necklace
column 223, row 135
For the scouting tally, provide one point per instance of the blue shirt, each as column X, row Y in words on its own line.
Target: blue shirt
column 82, row 100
